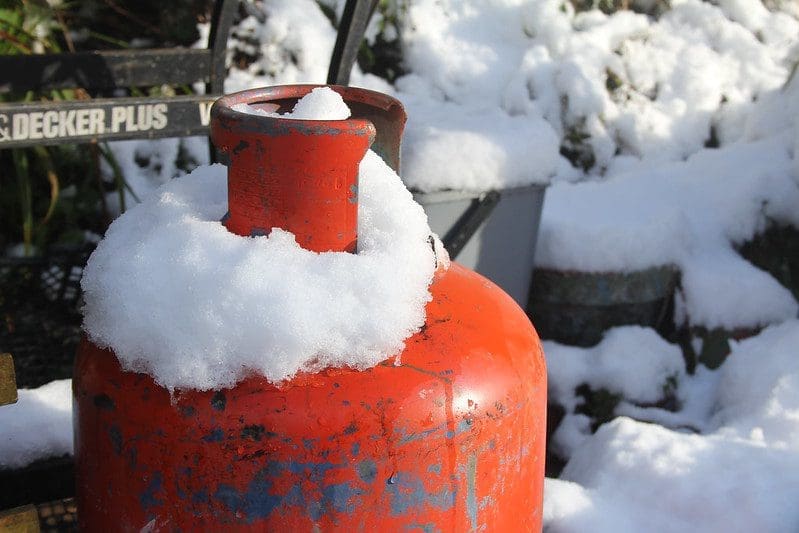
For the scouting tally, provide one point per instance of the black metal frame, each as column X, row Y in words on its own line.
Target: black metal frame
column 354, row 20
column 57, row 122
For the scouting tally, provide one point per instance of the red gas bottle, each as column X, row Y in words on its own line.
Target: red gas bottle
column 452, row 439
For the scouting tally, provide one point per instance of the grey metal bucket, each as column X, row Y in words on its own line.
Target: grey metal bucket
column 576, row 308
column 503, row 246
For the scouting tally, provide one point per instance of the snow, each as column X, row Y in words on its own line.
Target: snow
column 179, row 297
column 447, row 148
column 38, row 426
column 321, row 103
column 631, row 361
column 739, row 473
column 687, row 213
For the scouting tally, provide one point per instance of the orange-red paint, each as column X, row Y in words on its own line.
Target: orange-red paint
column 447, row 437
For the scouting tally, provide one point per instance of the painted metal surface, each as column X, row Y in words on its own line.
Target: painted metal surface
column 449, row 436
column 298, row 175
column 452, row 439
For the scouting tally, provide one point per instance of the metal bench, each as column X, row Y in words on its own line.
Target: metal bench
column 25, row 124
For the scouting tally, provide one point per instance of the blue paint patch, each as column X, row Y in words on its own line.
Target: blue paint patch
column 424, row 528
column 200, row 496
column 434, row 469
column 340, row 497
column 350, row 429
column 255, row 503
column 356, row 449
column 216, row 435
column 115, row 434
column 408, row 494
column 253, row 432
column 471, row 490
column 133, row 457
column 148, row 498
column 367, row 470
column 463, row 426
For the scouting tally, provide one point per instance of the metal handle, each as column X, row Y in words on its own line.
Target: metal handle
column 354, row 20
column 469, row 222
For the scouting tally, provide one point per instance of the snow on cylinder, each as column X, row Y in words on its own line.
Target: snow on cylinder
column 177, row 296
column 322, row 103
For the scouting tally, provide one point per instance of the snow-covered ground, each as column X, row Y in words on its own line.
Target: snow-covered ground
column 669, row 135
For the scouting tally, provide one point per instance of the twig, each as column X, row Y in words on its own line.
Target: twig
column 125, row 13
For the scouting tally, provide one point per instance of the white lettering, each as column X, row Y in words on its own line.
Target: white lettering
column 97, row 121
column 144, row 117
column 117, row 118
column 66, row 123
column 50, row 125
column 130, row 123
column 82, row 122
column 4, row 133
column 35, row 130
column 159, row 116
column 205, row 113
column 19, row 127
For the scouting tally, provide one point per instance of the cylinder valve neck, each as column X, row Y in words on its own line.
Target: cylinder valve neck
column 297, row 175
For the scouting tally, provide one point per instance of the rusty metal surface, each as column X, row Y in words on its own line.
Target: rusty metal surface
column 8, row 382
column 451, row 440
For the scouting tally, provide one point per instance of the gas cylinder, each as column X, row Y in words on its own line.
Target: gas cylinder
column 450, row 439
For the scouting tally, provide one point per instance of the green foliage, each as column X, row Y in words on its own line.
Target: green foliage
column 54, row 195
column 599, row 405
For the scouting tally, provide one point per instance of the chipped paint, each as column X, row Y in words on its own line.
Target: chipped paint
column 471, row 490
column 115, row 434
column 253, row 432
column 215, row 435
column 218, row 401
column 424, row 528
column 408, row 495
column 384, row 449
column 148, row 497
column 259, row 500
column 367, row 470
column 463, row 426
column 104, row 401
